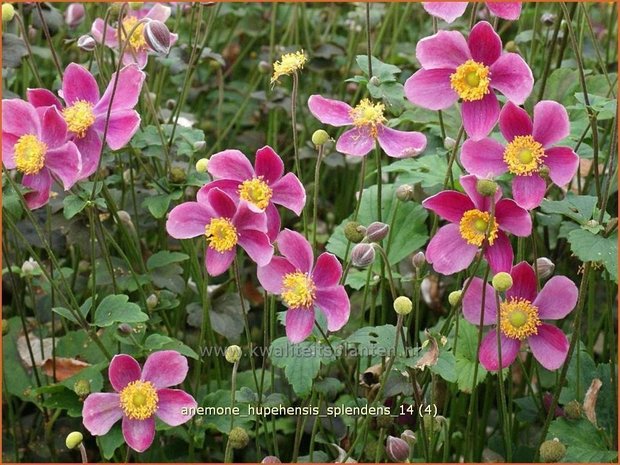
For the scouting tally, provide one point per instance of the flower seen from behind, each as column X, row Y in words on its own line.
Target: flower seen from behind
column 449, row 11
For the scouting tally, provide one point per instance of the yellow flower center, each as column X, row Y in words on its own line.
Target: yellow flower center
column 476, row 226
column 289, row 63
column 221, row 234
column 524, row 155
column 136, row 41
column 518, row 318
column 471, row 80
column 29, row 154
column 139, row 400
column 298, row 290
column 256, row 191
column 79, row 117
column 368, row 114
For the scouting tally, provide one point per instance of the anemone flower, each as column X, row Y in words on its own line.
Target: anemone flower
column 520, row 316
column 529, row 152
column 86, row 111
column 472, row 226
column 263, row 186
column 302, row 285
column 449, row 11
column 137, row 48
column 471, row 70
column 34, row 142
column 369, row 127
column 225, row 224
column 140, row 396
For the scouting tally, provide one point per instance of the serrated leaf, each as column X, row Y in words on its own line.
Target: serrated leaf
column 584, row 443
column 73, row 205
column 160, row 342
column 118, row 309
column 466, row 357
column 590, row 247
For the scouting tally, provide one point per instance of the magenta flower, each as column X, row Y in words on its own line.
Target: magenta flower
column 520, row 315
column 86, row 111
column 141, row 395
column 449, row 11
column 303, row 285
column 34, row 142
column 472, row 70
column 137, row 49
column 369, row 127
column 263, row 186
column 528, row 151
column 455, row 245
column 225, row 225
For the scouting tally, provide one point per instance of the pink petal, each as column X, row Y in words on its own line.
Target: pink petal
column 19, row 118
column 480, row 116
column 247, row 219
column 484, row 158
column 512, row 218
column 356, row 142
column 100, row 412
column 299, row 322
column 268, row 164
column 500, row 255
column 290, row 193
column 257, row 246
column 512, row 77
column 78, row 84
column 122, row 126
column 271, row 275
column 449, row 205
column 127, row 91
column 43, row 98
column 230, row 164
column 216, row 262
column 97, row 30
column 549, row 346
column 123, row 370
column 551, row 123
column 90, row 149
column 327, row 271
column 334, row 303
column 137, row 58
column 296, row 249
column 54, row 128
column 448, row 11
column 523, row 282
column 230, row 188
column 562, row 163
column 505, row 10
column 273, row 222
column 139, row 434
column 557, row 298
column 489, row 355
column 481, row 202
column 170, row 406
column 484, row 43
column 444, row 50
column 514, row 121
column 448, row 252
column 40, row 185
column 472, row 303
column 65, row 163
column 188, row 220
column 401, row 144
column 165, row 368
column 328, row 111
column 8, row 149
column 431, row 89
column 222, row 205
column 528, row 191
column 159, row 12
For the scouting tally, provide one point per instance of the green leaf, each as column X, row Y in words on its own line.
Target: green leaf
column 466, row 357
column 383, row 71
column 160, row 342
column 164, row 258
column 579, row 208
column 13, row 50
column 108, row 443
column 221, row 399
column 584, row 443
column 118, row 309
column 590, row 247
column 430, row 171
column 65, row 313
column 73, row 205
column 157, row 205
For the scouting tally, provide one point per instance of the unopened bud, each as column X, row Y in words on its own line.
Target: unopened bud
column 202, row 165
column 403, row 305
column 177, row 175
column 200, row 145
column 573, row 410
column 238, row 438
column 320, row 137
column 548, row 19
column 82, row 387
column 8, row 12
column 86, row 43
column 511, row 46
column 75, row 14
column 404, row 193
column 152, row 301
column 29, row 267
column 502, row 281
column 545, row 267
column 544, row 172
column 375, row 81
column 74, row 439
column 157, row 37
column 397, row 449
column 233, row 354
column 363, row 255
column 454, row 297
column 171, row 104
column 552, row 451
column 486, row 187
column 409, row 437
column 264, row 67
column 419, row 260
column 449, row 143
column 124, row 329
column 271, row 459
column 354, row 232
column 377, row 231
column 124, row 217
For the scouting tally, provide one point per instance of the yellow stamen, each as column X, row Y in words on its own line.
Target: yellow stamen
column 471, row 80
column 524, row 155
column 79, row 117
column 369, row 115
column 298, row 290
column 476, row 226
column 136, row 41
column 289, row 63
column 518, row 318
column 139, row 400
column 221, row 234
column 256, row 191
column 29, row 154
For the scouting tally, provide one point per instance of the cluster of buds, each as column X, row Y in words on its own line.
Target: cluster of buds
column 399, row 449
column 365, row 238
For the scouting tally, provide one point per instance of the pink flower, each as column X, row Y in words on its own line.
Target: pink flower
column 225, row 225
column 141, row 395
column 528, row 151
column 263, row 186
column 449, row 11
column 86, row 111
column 137, row 50
column 369, row 127
column 472, row 70
column 75, row 14
column 520, row 315
column 455, row 245
column 303, row 285
column 34, row 142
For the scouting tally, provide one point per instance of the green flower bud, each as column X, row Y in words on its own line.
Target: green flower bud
column 177, row 175
column 152, row 301
column 354, row 232
column 320, row 137
column 233, row 354
column 552, row 451
column 404, row 193
column 375, row 81
column 74, row 439
column 409, row 437
column 8, row 12
column 454, row 297
column 486, row 187
column 384, row 421
column 449, row 143
column 82, row 387
column 136, row 5
column 202, row 165
column 403, row 305
column 419, row 260
column 238, row 438
column 573, row 410
column 502, row 281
